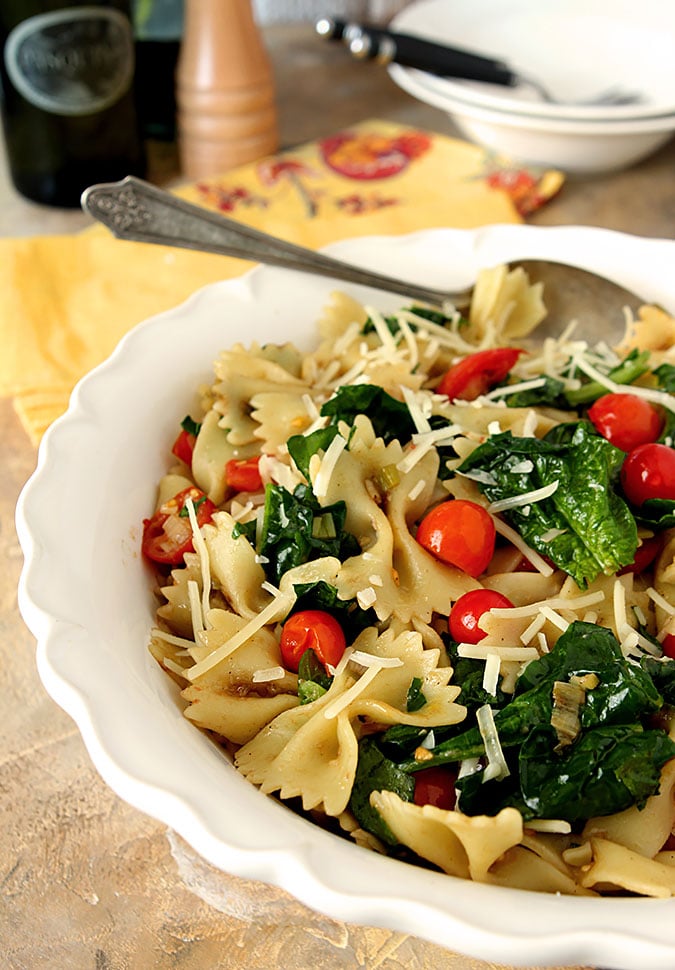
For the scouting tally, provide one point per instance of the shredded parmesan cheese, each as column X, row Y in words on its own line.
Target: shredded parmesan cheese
column 370, row 660
column 530, row 554
column 267, row 674
column 526, row 498
column 344, row 700
column 491, row 673
column 203, row 553
column 661, row 601
column 497, row 767
column 326, row 466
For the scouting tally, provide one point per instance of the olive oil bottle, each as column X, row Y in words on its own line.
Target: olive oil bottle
column 68, row 107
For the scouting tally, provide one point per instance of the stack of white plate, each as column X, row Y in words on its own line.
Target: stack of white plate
column 578, row 50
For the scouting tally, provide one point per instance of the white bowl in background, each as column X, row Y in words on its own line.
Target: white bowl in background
column 575, row 146
column 575, row 48
column 87, row 596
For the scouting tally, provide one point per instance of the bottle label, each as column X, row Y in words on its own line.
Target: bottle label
column 75, row 61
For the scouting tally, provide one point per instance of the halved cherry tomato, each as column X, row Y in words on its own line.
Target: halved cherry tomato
column 243, row 474
column 645, row 554
column 648, row 471
column 478, row 372
column 460, row 533
column 311, row 630
column 668, row 645
column 436, row 786
column 184, row 446
column 467, row 611
column 626, row 420
column 167, row 536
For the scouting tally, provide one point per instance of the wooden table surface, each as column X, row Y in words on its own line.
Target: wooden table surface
column 87, row 881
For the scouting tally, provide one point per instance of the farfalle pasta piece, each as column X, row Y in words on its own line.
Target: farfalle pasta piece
column 312, row 752
column 384, row 700
column 615, row 867
column 212, row 451
column 242, row 375
column 504, row 305
column 234, row 566
column 280, row 414
column 394, row 574
column 461, row 845
column 304, row 754
column 176, row 612
column 522, row 868
column 229, row 699
column 653, row 329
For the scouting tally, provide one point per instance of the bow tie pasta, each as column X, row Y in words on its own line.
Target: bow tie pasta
column 421, row 581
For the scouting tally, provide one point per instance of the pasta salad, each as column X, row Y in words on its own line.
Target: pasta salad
column 420, row 583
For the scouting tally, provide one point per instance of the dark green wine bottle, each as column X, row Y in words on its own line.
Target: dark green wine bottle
column 68, row 105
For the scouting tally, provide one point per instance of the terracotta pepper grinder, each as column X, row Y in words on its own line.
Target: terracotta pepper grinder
column 224, row 89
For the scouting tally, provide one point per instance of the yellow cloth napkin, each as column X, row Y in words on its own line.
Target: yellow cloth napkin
column 66, row 301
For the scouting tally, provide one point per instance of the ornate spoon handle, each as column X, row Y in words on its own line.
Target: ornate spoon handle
column 134, row 209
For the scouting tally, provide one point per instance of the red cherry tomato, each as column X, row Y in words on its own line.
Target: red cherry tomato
column 435, row 786
column 645, row 555
column 648, row 472
column 167, row 536
column 183, row 446
column 311, row 630
column 668, row 645
column 460, row 533
column 477, row 373
column 626, row 420
column 467, row 611
column 243, row 474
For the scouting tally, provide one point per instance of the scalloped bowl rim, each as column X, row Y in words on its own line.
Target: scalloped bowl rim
column 94, row 481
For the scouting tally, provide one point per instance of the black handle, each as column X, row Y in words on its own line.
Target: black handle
column 376, row 43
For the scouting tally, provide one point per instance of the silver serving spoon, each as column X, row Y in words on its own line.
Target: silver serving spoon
column 135, row 210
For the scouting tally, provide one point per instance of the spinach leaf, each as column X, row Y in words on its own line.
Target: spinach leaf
column 390, row 418
column 607, row 770
column 625, row 694
column 613, row 763
column 665, row 375
column 375, row 772
column 415, row 698
column 631, row 367
column 549, row 394
column 597, row 530
column 313, row 681
column 288, row 536
column 302, row 447
column 190, row 425
column 433, row 316
column 659, row 513
column 662, row 674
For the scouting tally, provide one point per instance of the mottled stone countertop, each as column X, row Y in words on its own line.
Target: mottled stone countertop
column 86, row 881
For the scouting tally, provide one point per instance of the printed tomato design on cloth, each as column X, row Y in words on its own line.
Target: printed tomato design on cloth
column 528, row 189
column 366, row 157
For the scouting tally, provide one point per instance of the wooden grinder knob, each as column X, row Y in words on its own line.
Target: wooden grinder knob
column 224, row 89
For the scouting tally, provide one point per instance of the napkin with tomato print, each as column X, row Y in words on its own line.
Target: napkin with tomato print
column 67, row 300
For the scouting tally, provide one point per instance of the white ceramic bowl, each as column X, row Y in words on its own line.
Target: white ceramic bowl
column 86, row 595
column 575, row 146
column 577, row 48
